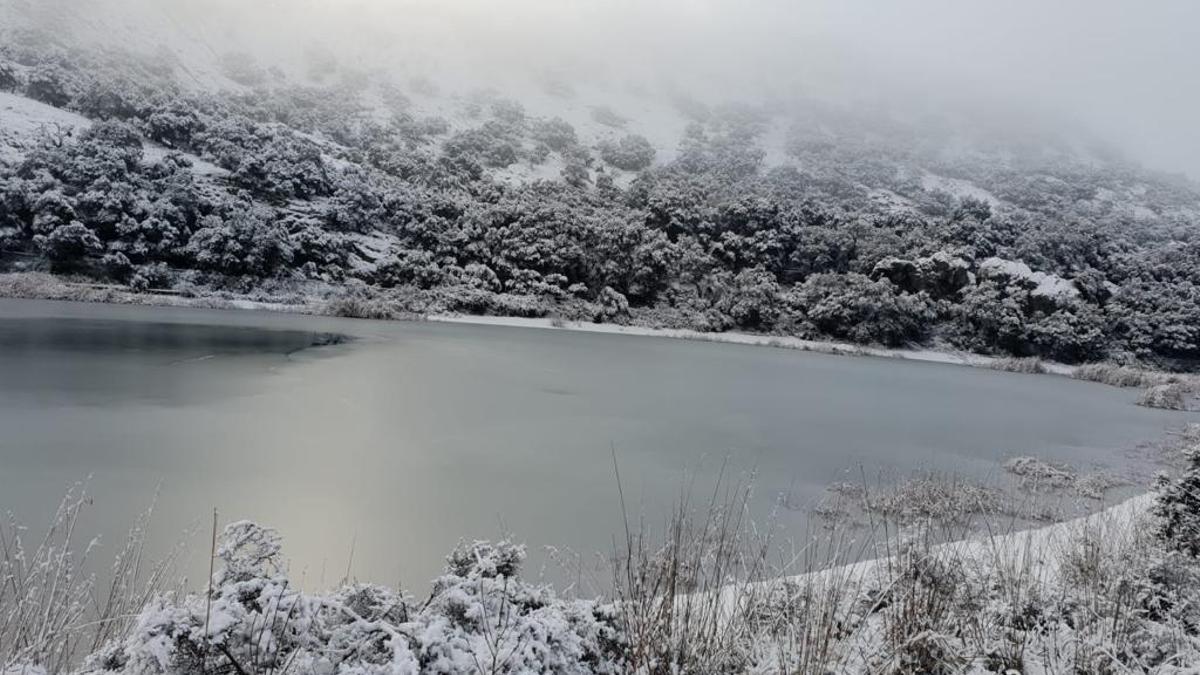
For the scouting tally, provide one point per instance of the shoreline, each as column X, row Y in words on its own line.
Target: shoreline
column 36, row 286
column 926, row 355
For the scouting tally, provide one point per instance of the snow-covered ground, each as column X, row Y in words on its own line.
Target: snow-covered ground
column 23, row 121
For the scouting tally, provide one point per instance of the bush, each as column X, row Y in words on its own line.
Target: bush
column 174, row 124
column 1030, row 365
column 9, row 80
column 1177, row 506
column 49, row 84
column 479, row 617
column 556, row 134
column 1173, row 396
column 148, row 277
column 631, row 153
column 490, row 145
column 67, row 245
column 1120, row 376
column 853, row 307
column 243, row 244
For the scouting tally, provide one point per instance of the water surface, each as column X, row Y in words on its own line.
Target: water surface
column 412, row 436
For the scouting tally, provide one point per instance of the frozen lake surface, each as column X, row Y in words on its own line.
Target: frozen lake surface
column 412, row 436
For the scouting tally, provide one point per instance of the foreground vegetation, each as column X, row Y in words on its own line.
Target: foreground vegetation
column 865, row 233
column 1115, row 592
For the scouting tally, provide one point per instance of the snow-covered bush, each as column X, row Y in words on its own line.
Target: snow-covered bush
column 853, row 307
column 631, row 153
column 491, row 144
column 556, row 134
column 1171, row 396
column 67, row 245
column 1178, row 506
column 479, row 617
column 1011, row 364
column 50, row 84
column 9, row 79
column 245, row 243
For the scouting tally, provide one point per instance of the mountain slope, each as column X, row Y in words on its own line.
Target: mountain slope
column 189, row 162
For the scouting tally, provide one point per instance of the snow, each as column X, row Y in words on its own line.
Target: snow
column 962, row 189
column 524, row 172
column 153, row 152
column 1043, row 283
column 24, row 120
column 891, row 202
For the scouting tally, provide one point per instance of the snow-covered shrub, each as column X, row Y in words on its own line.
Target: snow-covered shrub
column 112, row 98
column 1178, row 506
column 556, row 134
column 480, row 617
column 359, row 305
column 50, row 84
column 284, row 166
column 753, row 299
column 944, row 499
column 611, row 305
column 631, row 153
column 919, row 604
column 1036, row 473
column 245, row 243
column 1120, row 375
column 9, row 79
column 1013, row 364
column 491, row 144
column 173, row 123
column 509, row 113
column 154, row 275
column 1172, row 396
column 575, row 172
column 853, row 307
column 68, row 244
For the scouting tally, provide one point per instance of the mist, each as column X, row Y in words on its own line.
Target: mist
column 1122, row 71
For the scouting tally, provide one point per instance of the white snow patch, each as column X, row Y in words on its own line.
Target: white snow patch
column 962, row 189
column 524, row 172
column 1045, row 284
column 22, row 120
column 891, row 202
column 153, row 152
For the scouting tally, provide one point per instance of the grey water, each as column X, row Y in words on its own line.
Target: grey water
column 376, row 454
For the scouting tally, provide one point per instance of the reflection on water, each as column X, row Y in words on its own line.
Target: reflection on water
column 108, row 362
column 418, row 434
column 94, row 336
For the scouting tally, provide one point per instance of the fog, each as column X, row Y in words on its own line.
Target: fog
column 1125, row 71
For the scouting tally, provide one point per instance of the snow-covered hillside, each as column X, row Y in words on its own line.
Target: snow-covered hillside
column 411, row 173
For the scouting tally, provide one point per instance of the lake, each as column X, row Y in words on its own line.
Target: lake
column 378, row 454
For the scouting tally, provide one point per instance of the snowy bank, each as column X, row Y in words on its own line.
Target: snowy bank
column 946, row 356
